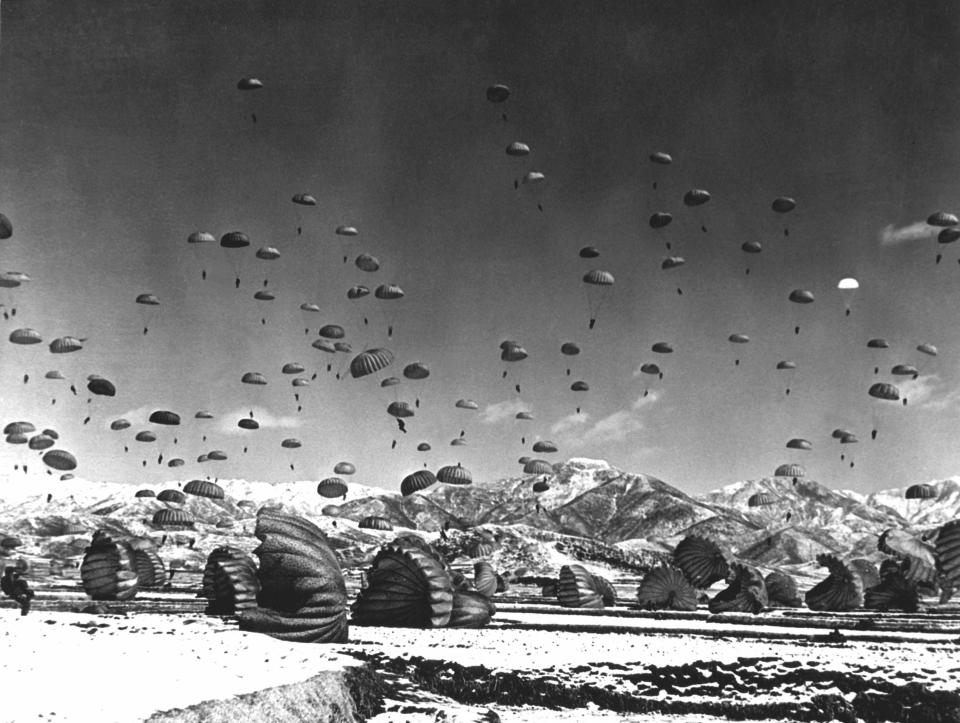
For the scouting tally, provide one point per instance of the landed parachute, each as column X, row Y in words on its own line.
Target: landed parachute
column 746, row 592
column 303, row 596
column 108, row 570
column 701, row 560
column 782, row 590
column 839, row 592
column 577, row 589
column 407, row 587
column 666, row 588
column 230, row 582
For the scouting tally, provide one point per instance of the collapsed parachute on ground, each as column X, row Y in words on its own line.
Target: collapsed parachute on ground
column 746, row 592
column 303, row 596
column 893, row 592
column 407, row 587
column 666, row 588
column 701, row 560
column 230, row 582
column 840, row 591
column 782, row 590
column 577, row 589
column 108, row 570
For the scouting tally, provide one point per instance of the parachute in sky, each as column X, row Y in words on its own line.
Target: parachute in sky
column 518, row 149
column 589, row 252
column 454, row 475
column 537, row 466
column 203, row 488
column 797, row 443
column 921, row 492
column 416, row 482
column 370, row 361
column 60, row 460
column 782, row 205
column 65, row 345
column 468, row 404
column 344, row 468
column 848, row 289
column 25, row 336
column 332, row 487
column 163, row 416
column 928, row 349
column 760, row 499
column 789, row 470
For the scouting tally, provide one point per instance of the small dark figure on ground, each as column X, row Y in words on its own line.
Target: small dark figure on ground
column 15, row 587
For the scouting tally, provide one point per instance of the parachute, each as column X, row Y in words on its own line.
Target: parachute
column 660, row 220
column 454, row 475
column 6, row 228
column 662, row 347
column 162, row 416
column 540, row 486
column 942, row 219
column 291, row 443
column 782, row 590
column 108, row 571
column 905, row 370
column 948, row 552
column 19, row 428
column 576, row 588
column 53, row 374
column 485, row 578
column 762, row 498
column 468, row 404
column 696, row 197
column 839, row 592
column 847, row 288
column 928, row 349
column 117, row 424
column 370, row 361
column 893, row 592
column 60, row 460
column 146, row 436
column 544, row 447
column 247, row 423
column 368, row 263
column 400, row 410
column 175, row 496
column 332, row 487
column 176, row 462
column 661, row 158
column 423, row 447
column 746, row 592
column 701, row 560
column 801, row 296
column 292, row 368
column 65, row 345
column 417, row 481
column 203, row 415
column 203, row 488
column 344, row 468
column 416, row 370
column 589, row 252
column 145, row 493
column 797, row 443
column 375, row 523
column 498, row 93
column 253, row 378
column 921, row 492
column 303, row 596
column 25, row 336
column 666, row 588
column 408, row 587
column 332, row 331
column 230, row 582
column 538, row 466
column 883, row 390
column 518, row 149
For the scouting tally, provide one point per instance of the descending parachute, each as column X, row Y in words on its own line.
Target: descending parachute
column 454, row 475
column 417, row 481
column 303, row 596
column 847, row 288
column 761, row 498
column 332, row 487
column 370, row 361
column 375, row 523
column 203, row 488
column 344, row 468
column 781, row 205
column 597, row 282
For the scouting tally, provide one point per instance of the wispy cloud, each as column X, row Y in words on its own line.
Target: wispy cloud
column 499, row 411
column 917, row 231
column 615, row 427
column 570, row 422
column 227, row 423
column 930, row 392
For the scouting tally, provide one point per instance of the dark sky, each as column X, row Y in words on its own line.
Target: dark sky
column 122, row 132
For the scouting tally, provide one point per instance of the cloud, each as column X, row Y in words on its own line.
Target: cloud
column 227, row 424
column 506, row 409
column 917, row 231
column 570, row 422
column 929, row 392
column 614, row 427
